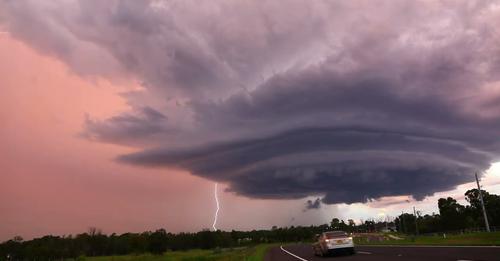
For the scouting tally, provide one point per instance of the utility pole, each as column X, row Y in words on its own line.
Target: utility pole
column 482, row 205
column 416, row 220
column 403, row 221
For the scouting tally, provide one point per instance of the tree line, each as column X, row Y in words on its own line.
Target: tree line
column 95, row 243
column 452, row 216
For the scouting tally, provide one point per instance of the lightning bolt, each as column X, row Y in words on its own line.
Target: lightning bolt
column 217, row 210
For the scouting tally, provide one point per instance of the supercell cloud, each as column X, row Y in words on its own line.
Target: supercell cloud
column 348, row 101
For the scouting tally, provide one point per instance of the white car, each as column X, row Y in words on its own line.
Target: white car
column 333, row 241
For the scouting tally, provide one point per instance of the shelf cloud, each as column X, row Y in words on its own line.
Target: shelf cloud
column 346, row 101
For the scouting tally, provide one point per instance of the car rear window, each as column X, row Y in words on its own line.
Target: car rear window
column 335, row 234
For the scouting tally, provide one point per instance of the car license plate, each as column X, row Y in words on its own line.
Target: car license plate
column 340, row 241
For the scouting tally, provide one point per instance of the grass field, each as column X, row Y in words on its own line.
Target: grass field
column 249, row 254
column 471, row 239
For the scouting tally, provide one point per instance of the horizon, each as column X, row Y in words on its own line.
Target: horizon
column 385, row 218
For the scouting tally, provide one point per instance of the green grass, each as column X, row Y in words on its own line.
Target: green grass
column 471, row 239
column 259, row 252
column 255, row 253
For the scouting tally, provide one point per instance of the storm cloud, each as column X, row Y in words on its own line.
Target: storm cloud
column 347, row 101
column 144, row 122
column 316, row 204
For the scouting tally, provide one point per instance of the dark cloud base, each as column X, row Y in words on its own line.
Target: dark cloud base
column 342, row 165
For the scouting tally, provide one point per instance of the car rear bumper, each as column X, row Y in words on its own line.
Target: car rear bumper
column 339, row 246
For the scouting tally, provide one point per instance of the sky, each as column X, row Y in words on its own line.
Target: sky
column 122, row 115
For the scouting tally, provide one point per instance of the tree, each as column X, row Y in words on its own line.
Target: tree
column 370, row 225
column 343, row 226
column 405, row 223
column 453, row 216
column 335, row 224
column 491, row 204
column 429, row 223
column 158, row 242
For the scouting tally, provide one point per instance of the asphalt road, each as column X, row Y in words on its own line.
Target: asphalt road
column 303, row 252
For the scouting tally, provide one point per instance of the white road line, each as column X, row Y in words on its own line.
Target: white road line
column 292, row 254
column 423, row 246
column 363, row 252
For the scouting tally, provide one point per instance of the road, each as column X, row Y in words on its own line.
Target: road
column 303, row 252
